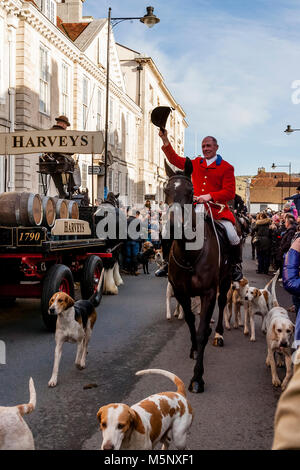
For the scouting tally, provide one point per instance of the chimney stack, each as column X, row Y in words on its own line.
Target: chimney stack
column 70, row 11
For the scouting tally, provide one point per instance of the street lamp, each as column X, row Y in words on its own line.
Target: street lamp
column 289, row 166
column 289, row 130
column 149, row 20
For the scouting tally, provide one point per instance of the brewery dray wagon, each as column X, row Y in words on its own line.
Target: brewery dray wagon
column 38, row 254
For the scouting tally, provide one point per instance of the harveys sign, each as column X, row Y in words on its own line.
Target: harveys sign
column 17, row 143
column 71, row 227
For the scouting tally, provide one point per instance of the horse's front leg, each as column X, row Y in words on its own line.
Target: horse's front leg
column 222, row 300
column 203, row 333
column 189, row 317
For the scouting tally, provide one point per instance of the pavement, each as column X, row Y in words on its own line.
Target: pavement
column 236, row 411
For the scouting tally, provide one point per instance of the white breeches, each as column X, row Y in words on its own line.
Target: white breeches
column 233, row 237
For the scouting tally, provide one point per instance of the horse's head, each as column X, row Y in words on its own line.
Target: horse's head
column 179, row 187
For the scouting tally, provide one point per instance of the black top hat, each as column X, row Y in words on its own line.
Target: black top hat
column 63, row 119
column 160, row 115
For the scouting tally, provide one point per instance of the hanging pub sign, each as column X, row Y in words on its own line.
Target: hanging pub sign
column 48, row 141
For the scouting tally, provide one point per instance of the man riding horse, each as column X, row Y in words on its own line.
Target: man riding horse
column 213, row 180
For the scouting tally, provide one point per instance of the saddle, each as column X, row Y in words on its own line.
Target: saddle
column 222, row 234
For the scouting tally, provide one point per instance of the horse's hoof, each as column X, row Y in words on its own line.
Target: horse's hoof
column 193, row 354
column 196, row 387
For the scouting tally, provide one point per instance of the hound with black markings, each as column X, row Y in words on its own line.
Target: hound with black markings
column 75, row 322
column 163, row 417
column 14, row 432
column 260, row 302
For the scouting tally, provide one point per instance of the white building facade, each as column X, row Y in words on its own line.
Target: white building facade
column 57, row 65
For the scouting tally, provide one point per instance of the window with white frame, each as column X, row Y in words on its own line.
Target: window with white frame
column 44, row 80
column 99, row 110
column 65, row 89
column 2, row 87
column 85, row 99
column 48, row 7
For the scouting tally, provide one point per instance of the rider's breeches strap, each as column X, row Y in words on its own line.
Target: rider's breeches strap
column 233, row 237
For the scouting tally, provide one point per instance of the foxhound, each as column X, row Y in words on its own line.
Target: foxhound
column 178, row 312
column 236, row 299
column 14, row 432
column 279, row 331
column 260, row 301
column 75, row 322
column 160, row 418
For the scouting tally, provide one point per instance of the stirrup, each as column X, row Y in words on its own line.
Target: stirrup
column 237, row 273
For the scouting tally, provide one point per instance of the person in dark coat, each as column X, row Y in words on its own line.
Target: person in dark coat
column 288, row 234
column 263, row 246
column 277, row 229
column 67, row 161
column 252, row 234
column 131, row 249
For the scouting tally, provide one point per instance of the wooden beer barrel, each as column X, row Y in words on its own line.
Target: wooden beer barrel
column 73, row 209
column 61, row 209
column 49, row 211
column 21, row 209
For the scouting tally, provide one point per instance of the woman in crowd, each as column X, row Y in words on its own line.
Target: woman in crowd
column 277, row 228
column 263, row 246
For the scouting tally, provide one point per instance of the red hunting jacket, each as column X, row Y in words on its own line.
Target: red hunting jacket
column 216, row 179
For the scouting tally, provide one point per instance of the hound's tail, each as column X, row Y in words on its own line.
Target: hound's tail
column 177, row 381
column 29, row 407
column 273, row 289
column 95, row 299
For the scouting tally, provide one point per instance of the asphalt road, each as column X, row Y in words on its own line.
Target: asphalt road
column 236, row 410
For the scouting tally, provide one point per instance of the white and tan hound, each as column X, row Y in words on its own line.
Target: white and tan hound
column 236, row 299
column 75, row 322
column 178, row 312
column 14, row 432
column 279, row 333
column 160, row 418
column 260, row 301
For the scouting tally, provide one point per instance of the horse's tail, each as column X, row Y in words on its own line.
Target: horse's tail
column 177, row 381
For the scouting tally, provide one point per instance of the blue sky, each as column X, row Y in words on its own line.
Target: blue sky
column 231, row 65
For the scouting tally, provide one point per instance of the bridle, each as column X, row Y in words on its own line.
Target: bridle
column 190, row 267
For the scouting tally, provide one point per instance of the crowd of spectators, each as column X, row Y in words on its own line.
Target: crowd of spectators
column 272, row 233
column 151, row 218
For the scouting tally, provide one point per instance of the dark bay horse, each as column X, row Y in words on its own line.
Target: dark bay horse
column 196, row 272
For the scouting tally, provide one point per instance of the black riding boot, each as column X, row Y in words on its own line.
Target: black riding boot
column 236, row 262
column 163, row 270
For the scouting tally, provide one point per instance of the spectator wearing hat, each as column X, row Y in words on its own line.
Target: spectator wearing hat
column 296, row 199
column 62, row 122
column 67, row 162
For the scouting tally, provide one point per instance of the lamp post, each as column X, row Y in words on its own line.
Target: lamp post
column 289, row 166
column 149, row 20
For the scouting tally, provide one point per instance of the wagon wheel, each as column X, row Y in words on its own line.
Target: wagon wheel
column 90, row 276
column 58, row 278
